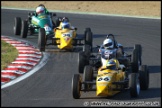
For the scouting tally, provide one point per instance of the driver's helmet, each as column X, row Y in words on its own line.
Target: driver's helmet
column 41, row 5
column 40, row 10
column 65, row 19
column 65, row 25
column 108, row 44
column 111, row 64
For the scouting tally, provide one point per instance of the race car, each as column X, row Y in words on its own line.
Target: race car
column 33, row 23
column 98, row 58
column 110, row 80
column 66, row 39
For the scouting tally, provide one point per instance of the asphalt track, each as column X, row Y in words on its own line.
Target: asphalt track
column 51, row 85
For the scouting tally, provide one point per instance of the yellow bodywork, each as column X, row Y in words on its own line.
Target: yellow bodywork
column 65, row 37
column 105, row 78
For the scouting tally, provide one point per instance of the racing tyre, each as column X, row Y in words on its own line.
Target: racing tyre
column 81, row 62
column 88, row 76
column 17, row 26
column 88, row 37
column 76, row 86
column 134, row 85
column 24, row 29
column 41, row 39
column 87, row 50
column 136, row 62
column 144, row 77
column 57, row 21
column 139, row 48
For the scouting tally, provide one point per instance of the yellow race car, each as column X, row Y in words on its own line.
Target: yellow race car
column 111, row 79
column 65, row 37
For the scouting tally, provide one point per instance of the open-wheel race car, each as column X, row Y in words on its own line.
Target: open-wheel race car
column 66, row 39
column 126, row 73
column 31, row 25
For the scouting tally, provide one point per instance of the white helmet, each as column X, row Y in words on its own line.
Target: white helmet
column 108, row 43
column 40, row 10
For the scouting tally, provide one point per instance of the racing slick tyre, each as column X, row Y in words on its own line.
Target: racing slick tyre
column 57, row 21
column 134, row 85
column 17, row 26
column 88, row 76
column 41, row 39
column 139, row 48
column 87, row 50
column 82, row 61
column 76, row 86
column 144, row 77
column 136, row 61
column 24, row 29
column 88, row 37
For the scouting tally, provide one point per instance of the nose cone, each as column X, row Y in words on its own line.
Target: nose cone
column 102, row 89
column 66, row 42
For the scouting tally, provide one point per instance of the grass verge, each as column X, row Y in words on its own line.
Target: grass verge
column 8, row 54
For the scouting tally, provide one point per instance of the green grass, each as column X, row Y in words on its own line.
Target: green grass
column 8, row 54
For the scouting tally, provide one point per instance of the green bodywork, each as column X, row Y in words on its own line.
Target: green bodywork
column 41, row 21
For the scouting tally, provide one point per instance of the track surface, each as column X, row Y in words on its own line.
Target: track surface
column 51, row 85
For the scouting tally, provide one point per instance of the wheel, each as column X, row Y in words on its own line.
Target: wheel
column 87, row 49
column 57, row 23
column 88, row 37
column 139, row 48
column 17, row 26
column 88, row 76
column 41, row 39
column 24, row 29
column 135, row 62
column 144, row 77
column 76, row 86
column 134, row 85
column 81, row 62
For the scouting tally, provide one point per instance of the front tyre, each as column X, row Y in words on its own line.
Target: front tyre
column 88, row 76
column 76, row 86
column 41, row 39
column 134, row 85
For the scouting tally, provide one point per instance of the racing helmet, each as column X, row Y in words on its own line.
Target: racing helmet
column 108, row 43
column 65, row 25
column 40, row 10
column 42, row 5
column 111, row 64
column 65, row 19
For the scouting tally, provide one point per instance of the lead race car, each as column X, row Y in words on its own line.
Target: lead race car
column 66, row 38
column 128, row 73
column 31, row 25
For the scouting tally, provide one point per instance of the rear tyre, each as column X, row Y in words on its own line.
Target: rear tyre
column 17, row 26
column 135, row 63
column 24, row 29
column 139, row 48
column 134, row 85
column 57, row 21
column 41, row 39
column 144, row 77
column 76, row 86
column 87, row 50
column 88, row 37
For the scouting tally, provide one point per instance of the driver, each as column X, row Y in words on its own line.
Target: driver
column 40, row 10
column 109, row 49
column 41, row 7
column 65, row 24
